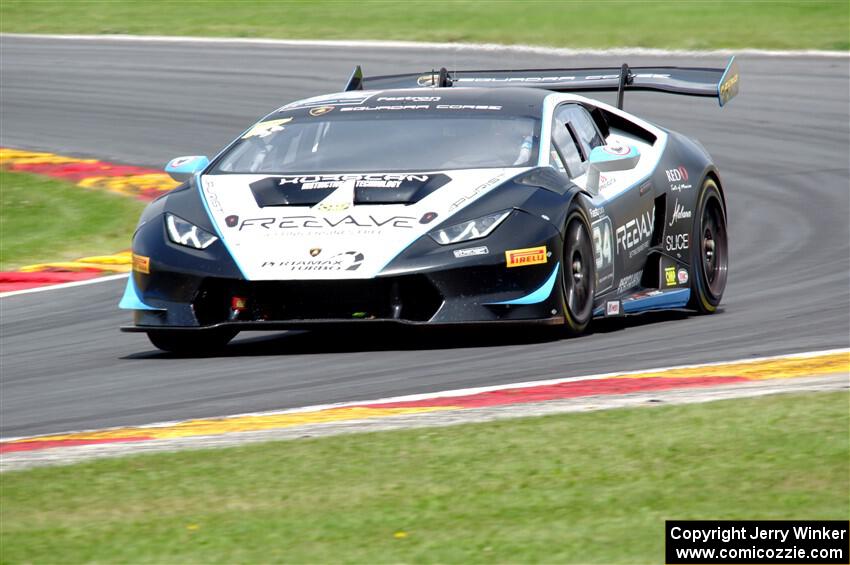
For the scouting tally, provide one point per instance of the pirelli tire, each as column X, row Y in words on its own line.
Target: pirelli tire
column 191, row 342
column 709, row 250
column 578, row 272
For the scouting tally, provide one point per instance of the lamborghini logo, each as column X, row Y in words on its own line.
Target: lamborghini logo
column 315, row 251
column 320, row 110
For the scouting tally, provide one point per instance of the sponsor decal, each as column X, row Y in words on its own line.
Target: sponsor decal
column 322, row 223
column 475, row 192
column 465, row 107
column 385, row 108
column 612, row 308
column 141, row 264
column 470, row 252
column 346, row 261
column 320, row 110
column 629, row 281
column 680, row 173
column 265, row 129
column 525, row 257
column 315, row 251
column 231, row 220
column 634, row 235
column 180, row 161
column 605, row 181
column 677, row 242
column 597, row 212
column 678, row 178
column 679, row 213
column 682, row 276
column 729, row 86
column 408, row 99
column 604, row 282
column 670, row 276
column 643, row 294
column 562, row 78
column 353, row 97
column 616, row 149
column 367, row 180
column 212, row 198
column 333, row 206
column 603, row 250
column 427, row 217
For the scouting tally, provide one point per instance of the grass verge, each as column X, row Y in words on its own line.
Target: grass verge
column 576, row 23
column 43, row 219
column 592, row 487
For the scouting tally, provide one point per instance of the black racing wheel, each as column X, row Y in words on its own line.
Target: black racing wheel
column 578, row 274
column 709, row 250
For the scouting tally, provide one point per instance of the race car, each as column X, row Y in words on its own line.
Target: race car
column 437, row 198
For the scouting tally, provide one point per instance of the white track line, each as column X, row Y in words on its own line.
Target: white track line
column 455, row 392
column 63, row 285
column 555, row 51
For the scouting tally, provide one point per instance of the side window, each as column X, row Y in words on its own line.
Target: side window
column 581, row 127
column 556, row 160
column 566, row 145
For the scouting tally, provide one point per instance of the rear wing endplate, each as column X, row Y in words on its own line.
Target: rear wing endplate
column 720, row 83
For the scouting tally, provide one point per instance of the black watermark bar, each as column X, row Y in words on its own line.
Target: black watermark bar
column 817, row 542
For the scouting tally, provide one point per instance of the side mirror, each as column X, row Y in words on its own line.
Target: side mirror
column 610, row 158
column 182, row 168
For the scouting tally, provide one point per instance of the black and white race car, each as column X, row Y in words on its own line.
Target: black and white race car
column 439, row 198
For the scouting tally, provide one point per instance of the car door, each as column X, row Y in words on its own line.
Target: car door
column 622, row 214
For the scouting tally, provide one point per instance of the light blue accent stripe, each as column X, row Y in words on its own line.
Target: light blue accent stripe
column 215, row 225
column 669, row 299
column 600, row 155
column 538, row 295
column 131, row 299
column 193, row 165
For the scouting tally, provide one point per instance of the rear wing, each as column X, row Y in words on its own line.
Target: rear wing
column 720, row 83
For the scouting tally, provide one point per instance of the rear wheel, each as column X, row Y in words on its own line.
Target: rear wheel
column 578, row 274
column 709, row 250
column 191, row 341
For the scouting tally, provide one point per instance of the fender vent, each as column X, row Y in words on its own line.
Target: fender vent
column 658, row 222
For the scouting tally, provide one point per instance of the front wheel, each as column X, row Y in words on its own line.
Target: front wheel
column 709, row 250
column 578, row 274
column 191, row 341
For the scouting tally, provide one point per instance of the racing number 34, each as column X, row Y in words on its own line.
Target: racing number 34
column 603, row 245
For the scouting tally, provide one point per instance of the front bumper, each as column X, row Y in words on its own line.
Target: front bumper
column 425, row 285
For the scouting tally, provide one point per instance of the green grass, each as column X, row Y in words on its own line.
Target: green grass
column 696, row 24
column 43, row 219
column 593, row 487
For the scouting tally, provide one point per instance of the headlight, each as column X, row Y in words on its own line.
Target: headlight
column 473, row 229
column 183, row 233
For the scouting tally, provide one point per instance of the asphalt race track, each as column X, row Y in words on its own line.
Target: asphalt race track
column 782, row 147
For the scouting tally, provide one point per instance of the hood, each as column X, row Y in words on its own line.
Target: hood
column 303, row 227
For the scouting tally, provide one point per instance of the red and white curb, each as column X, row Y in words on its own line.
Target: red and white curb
column 804, row 372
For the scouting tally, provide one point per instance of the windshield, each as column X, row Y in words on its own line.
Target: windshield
column 382, row 143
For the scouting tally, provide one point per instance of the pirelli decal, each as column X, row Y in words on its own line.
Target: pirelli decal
column 141, row 264
column 524, row 257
